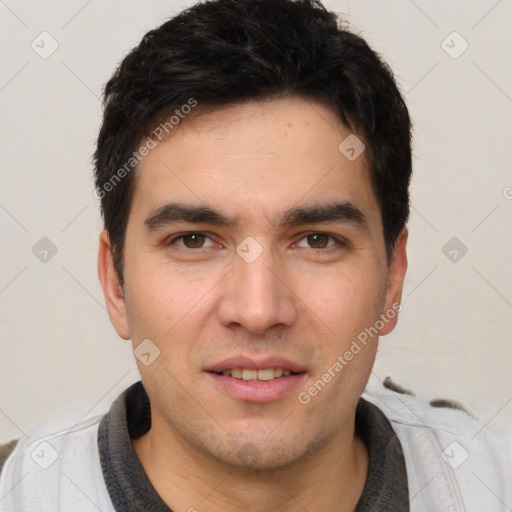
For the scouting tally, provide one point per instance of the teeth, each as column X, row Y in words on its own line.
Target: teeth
column 250, row 374
column 236, row 372
column 265, row 374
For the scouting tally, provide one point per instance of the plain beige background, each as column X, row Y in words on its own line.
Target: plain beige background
column 61, row 358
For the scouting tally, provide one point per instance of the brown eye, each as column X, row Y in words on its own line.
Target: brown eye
column 193, row 240
column 190, row 241
column 318, row 240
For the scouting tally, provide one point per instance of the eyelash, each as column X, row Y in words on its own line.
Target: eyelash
column 339, row 242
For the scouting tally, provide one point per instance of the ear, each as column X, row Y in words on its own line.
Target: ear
column 114, row 300
column 395, row 282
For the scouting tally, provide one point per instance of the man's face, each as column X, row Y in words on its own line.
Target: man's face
column 261, row 294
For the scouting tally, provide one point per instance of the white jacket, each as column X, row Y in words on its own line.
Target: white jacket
column 453, row 464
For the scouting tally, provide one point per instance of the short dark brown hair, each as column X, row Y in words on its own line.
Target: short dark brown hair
column 226, row 51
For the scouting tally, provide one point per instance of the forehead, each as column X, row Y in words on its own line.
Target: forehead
column 256, row 158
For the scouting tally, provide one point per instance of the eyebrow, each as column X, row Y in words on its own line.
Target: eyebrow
column 343, row 212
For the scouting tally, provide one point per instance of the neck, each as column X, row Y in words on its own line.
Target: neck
column 332, row 479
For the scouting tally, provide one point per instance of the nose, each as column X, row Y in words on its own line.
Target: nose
column 256, row 295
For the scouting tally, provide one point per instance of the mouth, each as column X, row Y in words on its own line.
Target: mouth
column 247, row 380
column 264, row 374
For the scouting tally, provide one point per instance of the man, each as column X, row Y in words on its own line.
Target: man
column 253, row 168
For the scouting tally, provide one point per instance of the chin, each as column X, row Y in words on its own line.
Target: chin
column 263, row 455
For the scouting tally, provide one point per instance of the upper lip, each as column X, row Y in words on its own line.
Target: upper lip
column 249, row 363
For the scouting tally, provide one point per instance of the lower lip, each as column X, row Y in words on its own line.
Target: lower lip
column 257, row 390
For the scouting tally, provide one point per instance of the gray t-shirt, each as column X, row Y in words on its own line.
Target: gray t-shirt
column 130, row 490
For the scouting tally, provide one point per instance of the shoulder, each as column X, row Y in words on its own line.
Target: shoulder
column 401, row 406
column 32, row 474
column 442, row 419
column 47, row 443
column 443, row 443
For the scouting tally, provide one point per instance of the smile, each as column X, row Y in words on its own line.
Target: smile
column 250, row 374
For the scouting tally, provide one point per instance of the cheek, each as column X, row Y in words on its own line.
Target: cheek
column 350, row 309
column 158, row 294
column 155, row 306
column 348, row 301
column 169, row 309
